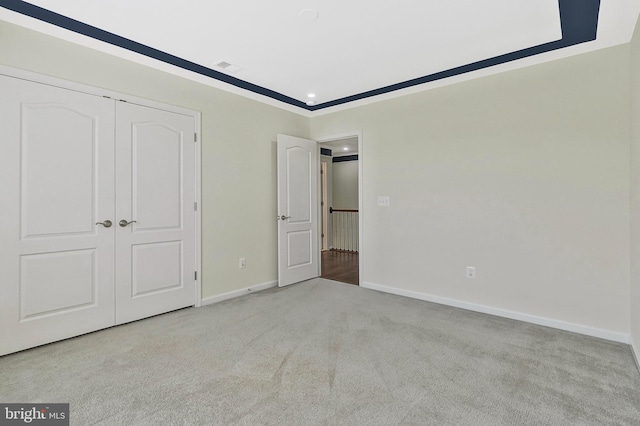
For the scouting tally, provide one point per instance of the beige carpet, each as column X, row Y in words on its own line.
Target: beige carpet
column 321, row 353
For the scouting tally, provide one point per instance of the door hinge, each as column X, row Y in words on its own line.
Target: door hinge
column 195, row 275
column 322, row 203
column 195, row 206
column 322, row 235
column 195, row 137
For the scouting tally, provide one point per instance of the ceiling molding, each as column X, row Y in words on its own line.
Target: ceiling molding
column 579, row 22
column 78, row 27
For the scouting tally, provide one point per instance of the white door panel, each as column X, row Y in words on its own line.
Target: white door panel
column 298, row 198
column 156, row 177
column 155, row 183
column 56, row 170
column 73, row 288
column 156, row 267
column 297, row 210
column 65, row 184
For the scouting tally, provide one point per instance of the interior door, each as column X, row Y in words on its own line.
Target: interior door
column 155, row 217
column 297, row 210
column 56, row 174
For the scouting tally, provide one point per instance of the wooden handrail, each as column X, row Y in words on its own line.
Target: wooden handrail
column 331, row 210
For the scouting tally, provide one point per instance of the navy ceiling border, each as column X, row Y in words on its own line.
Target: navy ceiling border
column 579, row 22
column 116, row 40
column 344, row 158
column 578, row 18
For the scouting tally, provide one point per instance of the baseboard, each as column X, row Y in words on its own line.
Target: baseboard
column 547, row 322
column 635, row 355
column 237, row 293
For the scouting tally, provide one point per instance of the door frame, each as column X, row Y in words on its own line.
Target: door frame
column 324, row 220
column 335, row 137
column 121, row 97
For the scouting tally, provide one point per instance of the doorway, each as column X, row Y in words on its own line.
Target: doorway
column 340, row 201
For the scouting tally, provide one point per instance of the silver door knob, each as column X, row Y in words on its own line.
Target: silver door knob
column 124, row 223
column 283, row 217
column 106, row 223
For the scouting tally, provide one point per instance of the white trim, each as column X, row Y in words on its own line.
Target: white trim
column 635, row 355
column 533, row 319
column 128, row 55
column 92, row 90
column 198, row 212
column 349, row 135
column 237, row 293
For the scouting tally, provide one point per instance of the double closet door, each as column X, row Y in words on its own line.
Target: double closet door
column 97, row 221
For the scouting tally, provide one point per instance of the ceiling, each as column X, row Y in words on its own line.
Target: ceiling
column 339, row 51
column 342, row 147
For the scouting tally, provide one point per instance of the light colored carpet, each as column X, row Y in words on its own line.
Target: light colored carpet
column 322, row 352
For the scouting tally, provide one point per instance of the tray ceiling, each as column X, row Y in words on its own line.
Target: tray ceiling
column 338, row 51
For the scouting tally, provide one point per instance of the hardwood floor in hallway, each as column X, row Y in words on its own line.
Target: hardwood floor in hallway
column 340, row 266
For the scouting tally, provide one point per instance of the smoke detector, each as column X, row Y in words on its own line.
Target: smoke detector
column 227, row 67
column 308, row 15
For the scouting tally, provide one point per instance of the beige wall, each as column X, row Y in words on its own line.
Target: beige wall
column 345, row 185
column 635, row 191
column 238, row 150
column 524, row 175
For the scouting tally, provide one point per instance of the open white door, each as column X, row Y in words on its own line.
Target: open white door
column 297, row 210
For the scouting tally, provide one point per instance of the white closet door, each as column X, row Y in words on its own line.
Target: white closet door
column 155, row 187
column 56, row 175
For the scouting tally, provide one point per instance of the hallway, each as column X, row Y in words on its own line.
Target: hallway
column 340, row 266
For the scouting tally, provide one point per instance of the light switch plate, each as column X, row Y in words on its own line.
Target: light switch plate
column 383, row 201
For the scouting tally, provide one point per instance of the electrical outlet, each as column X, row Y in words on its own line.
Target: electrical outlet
column 242, row 263
column 471, row 272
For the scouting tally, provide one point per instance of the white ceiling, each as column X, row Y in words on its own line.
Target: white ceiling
column 342, row 147
column 352, row 47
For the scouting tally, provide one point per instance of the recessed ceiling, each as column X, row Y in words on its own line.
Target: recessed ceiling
column 340, row 51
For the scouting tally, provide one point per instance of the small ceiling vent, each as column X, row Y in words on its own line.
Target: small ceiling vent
column 226, row 67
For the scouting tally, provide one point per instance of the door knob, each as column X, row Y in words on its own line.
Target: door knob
column 124, row 223
column 283, row 217
column 106, row 223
